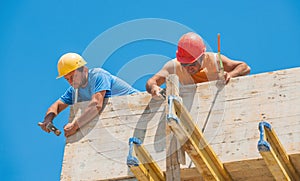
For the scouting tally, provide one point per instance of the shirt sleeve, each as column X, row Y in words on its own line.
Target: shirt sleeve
column 67, row 97
column 103, row 82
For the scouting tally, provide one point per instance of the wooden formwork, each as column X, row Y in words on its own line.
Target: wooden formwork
column 99, row 150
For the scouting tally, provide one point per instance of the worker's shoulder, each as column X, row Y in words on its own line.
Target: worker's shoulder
column 99, row 74
column 98, row 71
column 172, row 63
column 210, row 55
column 210, row 58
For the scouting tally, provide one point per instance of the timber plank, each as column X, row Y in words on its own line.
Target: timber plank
column 99, row 150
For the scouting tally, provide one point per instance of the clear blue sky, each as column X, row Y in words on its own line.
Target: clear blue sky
column 34, row 34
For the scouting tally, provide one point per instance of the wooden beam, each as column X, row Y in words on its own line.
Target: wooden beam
column 275, row 155
column 144, row 168
column 174, row 154
column 194, row 143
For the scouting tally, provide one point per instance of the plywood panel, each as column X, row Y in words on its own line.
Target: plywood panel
column 99, row 150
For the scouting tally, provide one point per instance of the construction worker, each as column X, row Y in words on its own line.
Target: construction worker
column 91, row 85
column 194, row 65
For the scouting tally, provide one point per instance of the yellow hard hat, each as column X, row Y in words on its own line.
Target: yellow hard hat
column 69, row 62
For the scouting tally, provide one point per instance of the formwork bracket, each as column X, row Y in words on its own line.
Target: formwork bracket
column 274, row 154
column 193, row 142
column 142, row 166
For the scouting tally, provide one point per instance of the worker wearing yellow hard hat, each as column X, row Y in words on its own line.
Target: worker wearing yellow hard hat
column 194, row 65
column 91, row 85
column 69, row 62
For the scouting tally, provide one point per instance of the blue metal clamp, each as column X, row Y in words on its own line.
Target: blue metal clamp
column 170, row 115
column 262, row 144
column 131, row 160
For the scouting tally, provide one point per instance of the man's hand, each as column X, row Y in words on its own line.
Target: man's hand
column 43, row 125
column 155, row 92
column 48, row 119
column 224, row 78
column 71, row 128
column 227, row 77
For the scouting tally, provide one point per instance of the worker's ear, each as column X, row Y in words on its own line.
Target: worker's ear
column 85, row 70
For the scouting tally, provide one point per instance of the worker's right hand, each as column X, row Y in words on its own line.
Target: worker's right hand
column 48, row 119
column 155, row 92
column 44, row 124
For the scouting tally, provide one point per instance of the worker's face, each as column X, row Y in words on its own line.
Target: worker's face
column 76, row 79
column 193, row 68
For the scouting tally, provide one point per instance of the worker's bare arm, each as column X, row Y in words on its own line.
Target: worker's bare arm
column 152, row 85
column 52, row 112
column 234, row 68
column 57, row 107
column 93, row 109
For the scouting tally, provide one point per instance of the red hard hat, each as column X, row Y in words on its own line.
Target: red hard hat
column 190, row 48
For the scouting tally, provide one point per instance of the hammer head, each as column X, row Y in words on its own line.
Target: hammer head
column 162, row 92
column 52, row 128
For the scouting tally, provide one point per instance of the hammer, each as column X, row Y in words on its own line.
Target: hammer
column 52, row 128
column 162, row 93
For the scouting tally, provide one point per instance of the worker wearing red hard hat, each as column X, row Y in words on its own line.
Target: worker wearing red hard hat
column 194, row 65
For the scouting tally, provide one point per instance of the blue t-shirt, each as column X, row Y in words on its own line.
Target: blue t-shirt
column 98, row 80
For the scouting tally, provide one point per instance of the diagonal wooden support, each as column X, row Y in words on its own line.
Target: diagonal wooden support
column 143, row 167
column 193, row 142
column 274, row 154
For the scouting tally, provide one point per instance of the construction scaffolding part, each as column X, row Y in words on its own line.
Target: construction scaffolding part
column 143, row 166
column 274, row 154
column 193, row 142
column 175, row 155
column 232, row 119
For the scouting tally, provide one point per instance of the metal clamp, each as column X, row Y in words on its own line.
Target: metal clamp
column 263, row 145
column 170, row 115
column 131, row 160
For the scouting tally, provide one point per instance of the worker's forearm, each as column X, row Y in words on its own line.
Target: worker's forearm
column 89, row 114
column 53, row 109
column 56, row 107
column 150, row 84
column 240, row 70
column 49, row 117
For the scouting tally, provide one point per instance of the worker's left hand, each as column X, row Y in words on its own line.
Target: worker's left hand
column 70, row 128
